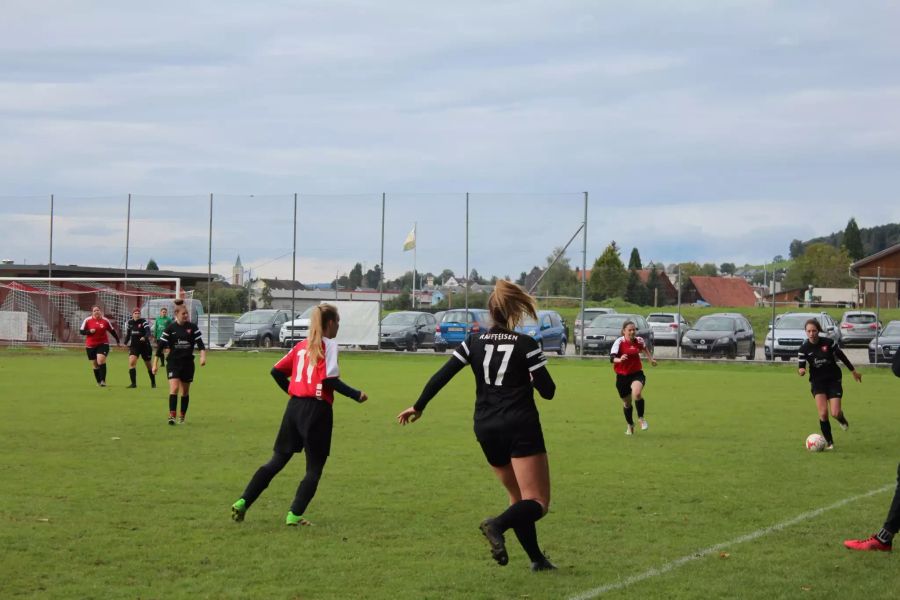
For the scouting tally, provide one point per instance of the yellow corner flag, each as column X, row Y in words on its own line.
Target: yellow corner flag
column 410, row 241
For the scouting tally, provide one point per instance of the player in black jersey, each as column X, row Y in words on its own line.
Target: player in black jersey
column 883, row 540
column 822, row 354
column 508, row 367
column 137, row 338
column 179, row 338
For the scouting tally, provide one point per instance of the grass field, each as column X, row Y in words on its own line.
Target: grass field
column 99, row 498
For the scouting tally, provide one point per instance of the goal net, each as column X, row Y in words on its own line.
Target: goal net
column 50, row 310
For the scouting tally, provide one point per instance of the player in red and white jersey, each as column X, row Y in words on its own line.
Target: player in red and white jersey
column 98, row 328
column 625, row 355
column 310, row 374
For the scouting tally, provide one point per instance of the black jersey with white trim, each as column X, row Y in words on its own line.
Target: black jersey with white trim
column 137, row 331
column 181, row 339
column 822, row 359
column 503, row 362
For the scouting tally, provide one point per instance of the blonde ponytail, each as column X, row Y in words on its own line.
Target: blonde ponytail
column 321, row 315
column 508, row 303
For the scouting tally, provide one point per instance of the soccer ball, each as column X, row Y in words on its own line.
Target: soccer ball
column 815, row 442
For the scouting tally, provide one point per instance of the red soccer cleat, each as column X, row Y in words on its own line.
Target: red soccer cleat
column 872, row 543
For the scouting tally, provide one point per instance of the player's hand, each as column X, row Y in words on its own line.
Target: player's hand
column 410, row 415
column 653, row 362
column 857, row 376
column 154, row 369
column 92, row 330
column 202, row 361
column 801, row 372
column 362, row 397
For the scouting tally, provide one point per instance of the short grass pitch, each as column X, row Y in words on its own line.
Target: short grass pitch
column 99, row 498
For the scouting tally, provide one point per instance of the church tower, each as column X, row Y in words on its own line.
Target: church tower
column 237, row 272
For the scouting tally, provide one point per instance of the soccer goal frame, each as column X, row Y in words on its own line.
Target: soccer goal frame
column 50, row 310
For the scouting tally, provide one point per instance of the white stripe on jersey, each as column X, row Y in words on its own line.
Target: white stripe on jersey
column 538, row 366
column 460, row 357
column 533, row 352
column 84, row 323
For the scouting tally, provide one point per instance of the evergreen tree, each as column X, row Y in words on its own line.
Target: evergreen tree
column 853, row 240
column 608, row 275
column 635, row 261
column 266, row 296
column 635, row 290
column 355, row 276
column 151, row 265
column 796, row 249
column 654, row 288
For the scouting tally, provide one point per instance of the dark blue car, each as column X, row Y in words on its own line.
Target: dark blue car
column 548, row 329
column 456, row 324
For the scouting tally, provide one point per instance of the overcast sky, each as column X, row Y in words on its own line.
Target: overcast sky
column 708, row 131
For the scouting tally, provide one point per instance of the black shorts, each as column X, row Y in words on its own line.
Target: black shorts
column 623, row 382
column 143, row 350
column 101, row 349
column 182, row 369
column 831, row 388
column 306, row 425
column 502, row 442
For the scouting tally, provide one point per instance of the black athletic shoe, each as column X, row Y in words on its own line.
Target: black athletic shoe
column 543, row 565
column 495, row 539
column 132, row 385
column 171, row 420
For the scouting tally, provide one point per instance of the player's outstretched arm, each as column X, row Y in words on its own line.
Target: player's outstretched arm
column 410, row 415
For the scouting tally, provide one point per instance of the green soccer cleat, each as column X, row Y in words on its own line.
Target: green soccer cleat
column 238, row 510
column 294, row 520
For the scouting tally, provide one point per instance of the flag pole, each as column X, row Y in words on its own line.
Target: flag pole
column 415, row 250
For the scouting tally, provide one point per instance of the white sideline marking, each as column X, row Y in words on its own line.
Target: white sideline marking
column 679, row 562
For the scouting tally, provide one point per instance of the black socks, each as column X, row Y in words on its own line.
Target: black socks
column 173, row 403
column 527, row 536
column 884, row 536
column 520, row 513
column 132, row 373
column 841, row 418
column 97, row 374
column 640, row 408
column 103, row 372
column 628, row 415
column 825, row 426
column 152, row 377
column 185, row 400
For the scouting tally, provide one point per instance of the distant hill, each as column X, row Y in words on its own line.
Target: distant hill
column 874, row 239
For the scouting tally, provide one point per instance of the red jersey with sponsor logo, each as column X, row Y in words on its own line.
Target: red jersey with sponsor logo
column 101, row 328
column 308, row 381
column 624, row 347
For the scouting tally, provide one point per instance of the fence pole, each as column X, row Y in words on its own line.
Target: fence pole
column 50, row 264
column 467, row 264
column 678, row 336
column 878, row 310
column 127, row 239
column 381, row 273
column 294, row 270
column 583, row 274
column 209, row 269
column 773, row 317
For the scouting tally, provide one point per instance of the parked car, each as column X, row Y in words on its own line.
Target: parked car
column 790, row 331
column 858, row 327
column 591, row 312
column 457, row 324
column 888, row 344
column 548, row 329
column 603, row 330
column 667, row 327
column 260, row 327
column 720, row 334
column 408, row 330
column 295, row 331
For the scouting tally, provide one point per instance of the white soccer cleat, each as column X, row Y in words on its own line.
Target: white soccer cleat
column 629, row 430
column 644, row 424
